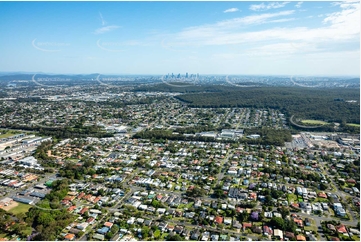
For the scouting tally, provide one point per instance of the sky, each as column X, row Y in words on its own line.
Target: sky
column 246, row 38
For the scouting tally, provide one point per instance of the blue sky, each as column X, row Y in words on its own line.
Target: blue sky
column 251, row 38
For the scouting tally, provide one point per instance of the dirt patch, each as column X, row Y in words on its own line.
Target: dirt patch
column 12, row 205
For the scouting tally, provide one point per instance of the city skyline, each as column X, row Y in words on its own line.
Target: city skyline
column 244, row 38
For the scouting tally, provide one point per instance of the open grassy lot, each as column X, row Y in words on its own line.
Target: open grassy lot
column 257, row 223
column 323, row 200
column 5, row 134
column 355, row 125
column 355, row 238
column 313, row 122
column 188, row 205
column 291, row 198
column 21, row 208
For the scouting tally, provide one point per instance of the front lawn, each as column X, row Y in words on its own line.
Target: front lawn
column 164, row 236
column 312, row 227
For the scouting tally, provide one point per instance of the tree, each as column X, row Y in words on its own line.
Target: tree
column 156, row 234
column 284, row 212
column 156, row 203
column 278, row 223
column 243, row 216
column 114, row 229
column 276, row 194
column 254, row 216
column 174, row 237
column 219, row 193
column 290, row 225
column 109, row 235
column 145, row 232
column 196, row 192
column 268, row 200
column 285, row 159
column 44, row 218
column 230, row 212
column 323, row 186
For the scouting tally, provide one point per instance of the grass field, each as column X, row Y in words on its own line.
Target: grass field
column 355, row 238
column 355, row 125
column 322, row 200
column 188, row 205
column 291, row 198
column 5, row 135
column 313, row 122
column 21, row 208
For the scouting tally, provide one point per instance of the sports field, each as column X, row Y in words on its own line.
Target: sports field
column 314, row 122
column 20, row 208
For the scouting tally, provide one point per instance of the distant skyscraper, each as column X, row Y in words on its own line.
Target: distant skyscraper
column 187, row 75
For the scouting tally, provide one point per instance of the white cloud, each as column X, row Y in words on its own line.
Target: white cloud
column 350, row 12
column 282, row 20
column 102, row 19
column 339, row 27
column 231, row 10
column 105, row 29
column 298, row 5
column 283, row 48
column 272, row 5
column 239, row 22
column 344, row 3
column 211, row 32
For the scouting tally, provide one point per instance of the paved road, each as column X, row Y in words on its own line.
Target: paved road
column 220, row 175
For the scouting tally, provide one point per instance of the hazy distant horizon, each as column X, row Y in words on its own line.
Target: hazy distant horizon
column 291, row 38
column 182, row 74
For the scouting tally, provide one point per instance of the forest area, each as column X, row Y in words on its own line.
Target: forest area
column 320, row 104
